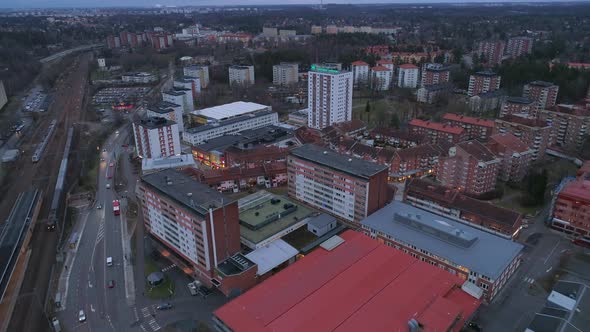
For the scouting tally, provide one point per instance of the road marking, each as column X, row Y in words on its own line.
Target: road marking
column 145, row 311
column 549, row 269
column 551, row 253
column 90, row 284
column 168, row 268
column 143, row 328
column 92, row 308
column 135, row 313
column 154, row 325
column 528, row 280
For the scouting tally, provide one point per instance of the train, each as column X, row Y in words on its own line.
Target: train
column 59, row 184
column 41, row 147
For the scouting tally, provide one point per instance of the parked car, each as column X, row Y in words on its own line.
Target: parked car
column 164, row 306
column 111, row 283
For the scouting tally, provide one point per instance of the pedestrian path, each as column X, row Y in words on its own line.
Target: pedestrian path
column 168, row 268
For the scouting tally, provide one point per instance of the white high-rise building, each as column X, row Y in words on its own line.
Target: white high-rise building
column 381, row 78
column 241, row 75
column 408, row 76
column 156, row 137
column 360, row 73
column 285, row 74
column 329, row 96
column 200, row 71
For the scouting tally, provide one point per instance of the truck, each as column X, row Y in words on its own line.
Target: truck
column 116, row 207
column 55, row 323
column 110, row 171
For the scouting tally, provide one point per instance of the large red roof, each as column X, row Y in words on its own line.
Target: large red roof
column 408, row 66
column 437, row 126
column 469, row 120
column 359, row 63
column 380, row 68
column 361, row 285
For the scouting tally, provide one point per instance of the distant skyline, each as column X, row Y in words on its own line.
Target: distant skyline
column 153, row 3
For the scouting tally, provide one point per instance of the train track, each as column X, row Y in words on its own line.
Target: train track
column 29, row 312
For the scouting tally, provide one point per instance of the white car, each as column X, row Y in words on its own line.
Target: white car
column 81, row 316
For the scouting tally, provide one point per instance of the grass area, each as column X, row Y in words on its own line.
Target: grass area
column 163, row 290
column 512, row 200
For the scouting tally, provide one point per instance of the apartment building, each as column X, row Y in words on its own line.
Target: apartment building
column 434, row 73
column 570, row 125
column 285, row 73
column 156, row 138
column 360, row 73
column 329, row 96
column 476, row 128
column 430, row 94
column 348, row 188
column 385, row 63
column 491, row 51
column 167, row 110
column 469, row 167
column 519, row 46
column 485, row 260
column 455, row 205
column 534, row 133
column 515, row 156
column 180, row 96
column 482, row 82
column 381, row 78
column 142, row 78
column 200, row 71
column 416, row 161
column 519, row 106
column 196, row 228
column 241, row 75
column 191, row 84
column 437, row 132
column 543, row 93
column 571, row 207
column 407, row 76
column 486, row 102
column 3, row 97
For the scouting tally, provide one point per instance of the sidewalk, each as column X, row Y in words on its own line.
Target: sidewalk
column 127, row 266
column 68, row 263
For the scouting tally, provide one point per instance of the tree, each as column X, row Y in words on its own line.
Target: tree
column 535, row 186
column 368, row 111
column 394, row 122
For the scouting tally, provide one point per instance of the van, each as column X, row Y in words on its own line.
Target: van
column 109, row 261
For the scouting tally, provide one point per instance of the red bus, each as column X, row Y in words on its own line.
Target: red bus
column 116, row 208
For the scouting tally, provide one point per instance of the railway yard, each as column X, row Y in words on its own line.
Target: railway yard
column 66, row 109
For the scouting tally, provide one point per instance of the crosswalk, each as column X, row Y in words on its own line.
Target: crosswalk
column 528, row 280
column 149, row 324
column 168, row 268
column 154, row 325
column 100, row 235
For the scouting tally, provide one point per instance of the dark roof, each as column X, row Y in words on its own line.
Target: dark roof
column 321, row 220
column 491, row 94
column 399, row 134
column 486, row 73
column 155, row 122
column 420, row 150
column 542, row 84
column 524, row 121
column 477, row 150
column 183, row 189
column 519, row 100
column 445, row 86
column 325, row 157
column 174, row 92
column 247, row 139
column 167, row 104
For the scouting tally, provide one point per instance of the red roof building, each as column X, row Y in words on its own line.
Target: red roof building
column 477, row 128
column 359, row 285
column 437, row 132
column 515, row 156
column 359, row 63
column 534, row 133
column 416, row 161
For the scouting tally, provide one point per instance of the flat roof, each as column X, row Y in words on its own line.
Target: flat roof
column 264, row 214
column 173, row 93
column 486, row 73
column 322, row 220
column 472, row 248
column 360, row 285
column 326, row 157
column 247, row 139
column 227, row 122
column 183, row 189
column 155, row 122
column 272, row 255
column 519, row 100
column 167, row 162
column 226, row 111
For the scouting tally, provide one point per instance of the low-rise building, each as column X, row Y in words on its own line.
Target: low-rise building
column 141, row 77
column 483, row 259
column 534, row 133
column 353, row 283
column 3, row 98
column 348, row 188
column 299, row 117
column 543, row 93
column 519, row 106
column 156, row 137
column 469, row 167
column 515, row 156
column 437, row 132
column 476, row 128
column 241, row 75
column 570, row 125
column 321, row 224
column 455, row 205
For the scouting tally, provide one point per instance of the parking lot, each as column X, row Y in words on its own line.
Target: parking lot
column 110, row 96
column 36, row 101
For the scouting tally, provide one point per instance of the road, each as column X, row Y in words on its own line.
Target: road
column 61, row 54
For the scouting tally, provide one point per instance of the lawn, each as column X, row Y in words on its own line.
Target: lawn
column 162, row 291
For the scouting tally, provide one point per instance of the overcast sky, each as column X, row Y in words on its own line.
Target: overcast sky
column 152, row 3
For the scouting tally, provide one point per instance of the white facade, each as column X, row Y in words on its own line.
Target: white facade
column 138, row 78
column 198, row 135
column 285, row 74
column 360, row 73
column 241, row 75
column 169, row 111
column 408, row 76
column 156, row 138
column 200, row 71
column 381, row 78
column 329, row 97
column 102, row 62
column 174, row 97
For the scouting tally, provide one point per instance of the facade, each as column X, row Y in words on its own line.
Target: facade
column 386, row 63
column 570, row 125
column 285, row 74
column 352, row 283
column 360, row 73
column 437, row 132
column 3, row 98
column 381, row 78
column 519, row 46
column 168, row 111
column 571, row 208
column 519, row 106
column 189, row 82
column 196, row 228
column 416, row 161
column 430, row 94
column 200, row 71
column 396, row 138
column 347, row 188
column 298, row 118
column 156, row 138
column 139, row 78
column 322, row 224
column 543, row 93
column 482, row 82
column 180, row 97
column 241, row 75
column 476, row 128
column 217, row 128
column 457, row 206
column 483, row 259
column 534, row 133
column 469, row 167
column 491, row 51
column 486, row 102
column 329, row 96
column 515, row 156
column 434, row 73
column 407, row 76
